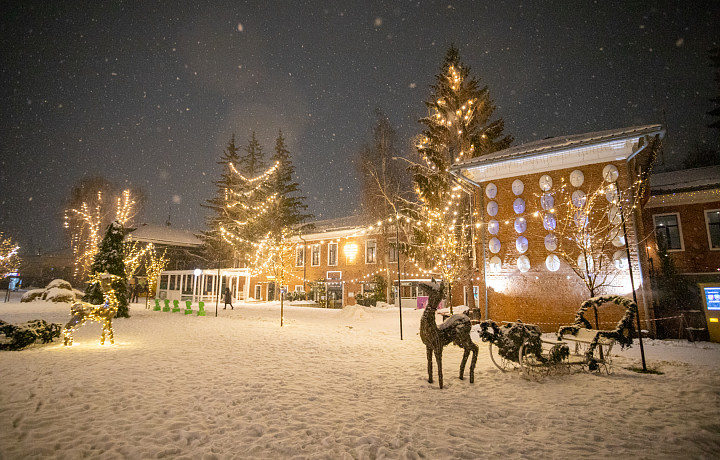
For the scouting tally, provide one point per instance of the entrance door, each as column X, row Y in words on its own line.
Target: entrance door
column 334, row 295
column 271, row 292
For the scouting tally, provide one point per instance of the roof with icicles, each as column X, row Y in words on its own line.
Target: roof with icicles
column 164, row 235
column 568, row 142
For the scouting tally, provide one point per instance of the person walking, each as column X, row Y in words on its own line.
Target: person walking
column 228, row 299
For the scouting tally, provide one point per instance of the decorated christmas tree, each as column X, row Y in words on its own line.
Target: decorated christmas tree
column 458, row 127
column 109, row 258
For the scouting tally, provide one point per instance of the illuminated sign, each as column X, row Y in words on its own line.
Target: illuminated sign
column 712, row 297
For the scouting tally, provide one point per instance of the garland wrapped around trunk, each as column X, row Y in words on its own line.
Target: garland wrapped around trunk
column 623, row 332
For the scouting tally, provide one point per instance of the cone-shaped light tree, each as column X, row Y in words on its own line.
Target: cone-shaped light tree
column 110, row 259
column 459, row 126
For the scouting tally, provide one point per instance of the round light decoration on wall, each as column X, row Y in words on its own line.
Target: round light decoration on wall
column 495, row 264
column 520, row 225
column 550, row 242
column 620, row 260
column 578, row 198
column 494, row 245
column 521, row 244
column 611, row 194
column 610, row 173
column 519, row 206
column 549, row 222
column 491, row 190
column 545, row 183
column 492, row 208
column 552, row 262
column 518, row 187
column 547, row 201
column 585, row 263
column 618, row 241
column 614, row 216
column 577, row 178
column 523, row 263
column 493, row 227
column 580, row 218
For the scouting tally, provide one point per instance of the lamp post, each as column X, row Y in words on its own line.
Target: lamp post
column 397, row 255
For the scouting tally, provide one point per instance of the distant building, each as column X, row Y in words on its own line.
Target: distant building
column 183, row 246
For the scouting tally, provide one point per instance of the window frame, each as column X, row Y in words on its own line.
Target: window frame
column 679, row 225
column 329, row 262
column 374, row 258
column 300, row 255
column 392, row 245
column 707, row 229
column 258, row 292
column 312, row 255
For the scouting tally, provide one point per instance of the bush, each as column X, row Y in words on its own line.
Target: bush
column 31, row 296
column 60, row 295
column 17, row 337
column 58, row 283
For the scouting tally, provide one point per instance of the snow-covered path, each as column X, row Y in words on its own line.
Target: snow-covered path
column 332, row 384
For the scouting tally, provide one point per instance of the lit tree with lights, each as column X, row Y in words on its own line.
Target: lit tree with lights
column 93, row 204
column 9, row 256
column 155, row 263
column 110, row 259
column 458, row 127
column 590, row 228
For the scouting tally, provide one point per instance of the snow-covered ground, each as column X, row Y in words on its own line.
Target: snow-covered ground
column 333, row 384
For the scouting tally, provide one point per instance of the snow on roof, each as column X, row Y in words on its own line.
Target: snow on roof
column 165, row 235
column 685, row 180
column 543, row 146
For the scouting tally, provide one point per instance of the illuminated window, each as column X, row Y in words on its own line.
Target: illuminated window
column 299, row 288
column 392, row 250
column 332, row 253
column 712, row 220
column 370, row 252
column 315, row 256
column 668, row 231
column 300, row 256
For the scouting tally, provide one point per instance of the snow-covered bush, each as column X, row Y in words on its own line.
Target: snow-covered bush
column 58, row 283
column 31, row 296
column 19, row 336
column 57, row 291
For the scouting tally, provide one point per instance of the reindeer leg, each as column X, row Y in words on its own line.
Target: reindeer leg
column 111, row 333
column 429, row 359
column 472, row 362
column 466, row 353
column 438, row 358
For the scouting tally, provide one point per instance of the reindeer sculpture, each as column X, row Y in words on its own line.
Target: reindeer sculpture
column 455, row 329
column 82, row 312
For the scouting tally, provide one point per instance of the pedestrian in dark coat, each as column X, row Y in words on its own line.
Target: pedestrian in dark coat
column 228, row 299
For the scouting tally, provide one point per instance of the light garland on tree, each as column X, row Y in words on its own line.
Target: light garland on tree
column 9, row 256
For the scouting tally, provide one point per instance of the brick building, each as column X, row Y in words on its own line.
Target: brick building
column 520, row 272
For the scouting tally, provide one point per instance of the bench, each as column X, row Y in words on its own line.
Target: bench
column 586, row 337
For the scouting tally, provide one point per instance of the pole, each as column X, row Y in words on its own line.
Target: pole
column 217, row 299
column 632, row 282
column 397, row 254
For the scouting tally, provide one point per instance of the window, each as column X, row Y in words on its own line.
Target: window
column 332, row 253
column 187, row 287
column 712, row 220
column 370, row 252
column 315, row 257
column 299, row 288
column 668, row 230
column 172, row 282
column 392, row 250
column 163, row 281
column 257, row 292
column 300, row 256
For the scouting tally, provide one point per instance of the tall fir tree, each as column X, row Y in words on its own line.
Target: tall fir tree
column 288, row 207
column 222, row 216
column 459, row 126
column 253, row 162
column 714, row 55
column 110, row 259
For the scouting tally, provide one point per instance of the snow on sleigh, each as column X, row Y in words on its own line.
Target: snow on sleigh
column 520, row 346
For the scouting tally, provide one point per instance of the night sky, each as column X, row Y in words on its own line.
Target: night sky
column 148, row 93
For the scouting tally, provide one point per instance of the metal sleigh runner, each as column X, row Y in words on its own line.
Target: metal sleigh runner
column 520, row 346
column 104, row 313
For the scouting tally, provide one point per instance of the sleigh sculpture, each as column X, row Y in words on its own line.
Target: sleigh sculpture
column 103, row 314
